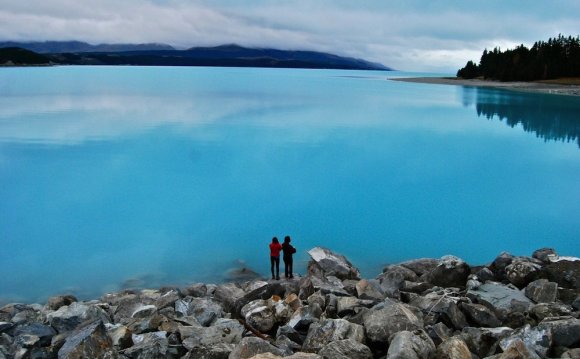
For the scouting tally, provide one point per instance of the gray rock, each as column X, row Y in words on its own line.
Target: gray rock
column 480, row 315
column 451, row 271
column 485, row 274
column 148, row 345
column 565, row 273
column 329, row 330
column 345, row 349
column 43, row 332
column 69, row 317
column 565, row 331
column 266, row 291
column 502, row 298
column 217, row 351
column 120, row 335
column 290, row 333
column 545, row 310
column 227, row 294
column 304, row 316
column 421, row 266
column 520, row 272
column 575, row 304
column 499, row 265
column 329, row 285
column 348, row 305
column 370, row 289
column 440, row 306
column 453, row 348
column 400, row 271
column 251, row 346
column 59, row 301
column 483, row 341
column 542, row 291
column 205, row 310
column 572, row 353
column 518, row 350
column 306, row 288
column 327, row 263
column 228, row 331
column 416, row 287
column 5, row 326
column 259, row 315
column 388, row 318
column 196, row 290
column 544, row 254
column 539, row 340
column 287, row 345
column 91, row 341
column 167, row 299
column 438, row 332
column 299, row 355
column 411, row 345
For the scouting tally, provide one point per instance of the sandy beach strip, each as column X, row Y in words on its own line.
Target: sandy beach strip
column 540, row 87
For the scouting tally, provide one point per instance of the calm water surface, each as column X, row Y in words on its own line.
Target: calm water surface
column 123, row 176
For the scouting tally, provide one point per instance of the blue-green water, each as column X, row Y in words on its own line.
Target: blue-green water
column 175, row 175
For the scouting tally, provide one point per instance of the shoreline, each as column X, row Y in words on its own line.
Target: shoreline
column 535, row 87
column 513, row 305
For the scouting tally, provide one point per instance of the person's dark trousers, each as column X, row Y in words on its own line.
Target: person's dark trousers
column 275, row 261
column 288, row 267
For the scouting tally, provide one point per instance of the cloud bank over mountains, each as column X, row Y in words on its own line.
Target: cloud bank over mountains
column 406, row 35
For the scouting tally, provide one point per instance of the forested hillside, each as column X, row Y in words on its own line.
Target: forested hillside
column 555, row 58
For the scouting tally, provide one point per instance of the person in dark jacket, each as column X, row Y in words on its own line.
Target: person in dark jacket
column 275, row 248
column 288, row 250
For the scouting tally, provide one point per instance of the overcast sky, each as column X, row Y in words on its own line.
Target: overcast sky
column 408, row 35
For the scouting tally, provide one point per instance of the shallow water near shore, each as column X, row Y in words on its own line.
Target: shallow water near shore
column 139, row 176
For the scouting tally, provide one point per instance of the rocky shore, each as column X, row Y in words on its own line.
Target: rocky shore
column 539, row 87
column 515, row 307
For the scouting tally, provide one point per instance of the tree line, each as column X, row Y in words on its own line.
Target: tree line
column 555, row 58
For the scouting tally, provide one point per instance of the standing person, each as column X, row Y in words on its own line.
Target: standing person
column 288, row 251
column 275, row 248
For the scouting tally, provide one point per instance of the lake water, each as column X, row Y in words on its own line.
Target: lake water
column 127, row 176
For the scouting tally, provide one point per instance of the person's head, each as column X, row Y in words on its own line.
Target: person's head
column 287, row 239
column 275, row 240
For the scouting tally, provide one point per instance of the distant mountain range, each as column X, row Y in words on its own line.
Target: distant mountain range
column 80, row 53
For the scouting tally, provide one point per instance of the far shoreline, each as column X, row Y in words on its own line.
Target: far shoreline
column 536, row 87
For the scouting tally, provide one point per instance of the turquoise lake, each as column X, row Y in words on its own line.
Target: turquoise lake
column 113, row 177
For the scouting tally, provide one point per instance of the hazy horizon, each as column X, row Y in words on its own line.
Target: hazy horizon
column 409, row 36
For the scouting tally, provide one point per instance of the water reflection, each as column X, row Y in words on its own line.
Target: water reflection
column 550, row 117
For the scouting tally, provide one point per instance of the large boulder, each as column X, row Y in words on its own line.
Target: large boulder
column 453, row 348
column 564, row 272
column 451, row 271
column 67, row 318
column 259, row 314
column 545, row 310
column 217, row 351
column 345, row 349
column 499, row 265
column 539, row 340
column 565, row 331
column 148, row 345
column 483, row 341
column 522, row 272
column 43, row 332
column 227, row 294
column 518, row 350
column 390, row 317
column 304, row 316
column 60, row 301
column 411, row 345
column 205, row 310
column 251, row 346
column 349, row 305
column 480, row 315
column 91, row 341
column 441, row 307
column 266, row 291
column 228, row 331
column 542, row 291
column 544, row 254
column 370, row 289
column 327, row 263
column 420, row 266
column 503, row 299
column 329, row 330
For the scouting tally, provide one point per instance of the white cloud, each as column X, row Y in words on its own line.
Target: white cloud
column 411, row 36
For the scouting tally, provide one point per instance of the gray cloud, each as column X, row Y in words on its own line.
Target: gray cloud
column 411, row 35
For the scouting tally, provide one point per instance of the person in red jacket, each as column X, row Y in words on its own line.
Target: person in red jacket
column 275, row 248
